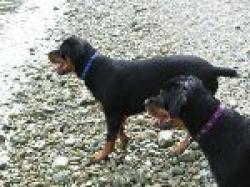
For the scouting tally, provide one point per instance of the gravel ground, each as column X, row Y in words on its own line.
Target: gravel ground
column 52, row 125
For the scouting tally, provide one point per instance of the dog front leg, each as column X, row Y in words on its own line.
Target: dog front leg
column 122, row 135
column 113, row 127
column 180, row 147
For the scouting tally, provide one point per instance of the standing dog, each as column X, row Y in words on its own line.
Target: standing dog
column 121, row 86
column 222, row 133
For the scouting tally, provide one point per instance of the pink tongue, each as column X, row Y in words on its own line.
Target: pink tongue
column 163, row 119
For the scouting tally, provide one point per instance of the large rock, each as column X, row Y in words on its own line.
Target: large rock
column 165, row 138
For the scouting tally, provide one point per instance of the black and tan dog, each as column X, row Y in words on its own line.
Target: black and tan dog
column 222, row 133
column 121, row 86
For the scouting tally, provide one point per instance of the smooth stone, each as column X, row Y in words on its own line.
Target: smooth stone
column 194, row 146
column 61, row 177
column 56, row 8
column 16, row 139
column 89, row 183
column 140, row 176
column 38, row 184
column 70, row 141
column 165, row 138
column 4, row 159
column 148, row 163
column 188, row 156
column 233, row 102
column 48, row 109
column 164, row 175
column 204, row 164
column 154, row 185
column 177, row 171
column 61, row 162
column 39, row 145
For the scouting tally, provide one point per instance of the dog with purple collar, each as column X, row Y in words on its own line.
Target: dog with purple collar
column 121, row 86
column 222, row 133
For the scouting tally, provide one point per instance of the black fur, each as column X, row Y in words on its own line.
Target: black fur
column 122, row 85
column 227, row 146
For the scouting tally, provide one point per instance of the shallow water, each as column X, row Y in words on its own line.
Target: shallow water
column 23, row 32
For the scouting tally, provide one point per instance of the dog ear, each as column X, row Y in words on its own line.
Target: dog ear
column 176, row 101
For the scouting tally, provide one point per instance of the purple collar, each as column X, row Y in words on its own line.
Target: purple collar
column 212, row 121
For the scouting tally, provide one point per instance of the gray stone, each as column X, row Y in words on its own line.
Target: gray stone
column 194, row 146
column 188, row 156
column 177, row 171
column 38, row 184
column 48, row 109
column 2, row 137
column 140, row 176
column 164, row 175
column 61, row 177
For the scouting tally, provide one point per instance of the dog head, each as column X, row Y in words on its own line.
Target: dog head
column 176, row 97
column 71, row 55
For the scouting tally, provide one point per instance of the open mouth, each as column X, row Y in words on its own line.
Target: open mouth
column 60, row 64
column 161, row 117
column 59, row 68
column 159, row 113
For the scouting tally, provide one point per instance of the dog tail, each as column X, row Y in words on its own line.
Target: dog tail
column 225, row 72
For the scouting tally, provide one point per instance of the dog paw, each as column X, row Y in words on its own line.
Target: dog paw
column 176, row 150
column 99, row 155
column 123, row 144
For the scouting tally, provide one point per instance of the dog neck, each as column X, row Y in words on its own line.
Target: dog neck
column 88, row 65
column 82, row 60
column 212, row 122
column 199, row 114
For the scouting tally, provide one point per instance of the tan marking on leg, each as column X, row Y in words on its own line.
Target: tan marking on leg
column 180, row 147
column 103, row 154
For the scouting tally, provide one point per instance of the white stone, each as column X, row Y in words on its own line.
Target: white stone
column 165, row 137
column 61, row 162
column 70, row 141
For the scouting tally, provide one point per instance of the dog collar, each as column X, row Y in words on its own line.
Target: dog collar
column 88, row 65
column 212, row 121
